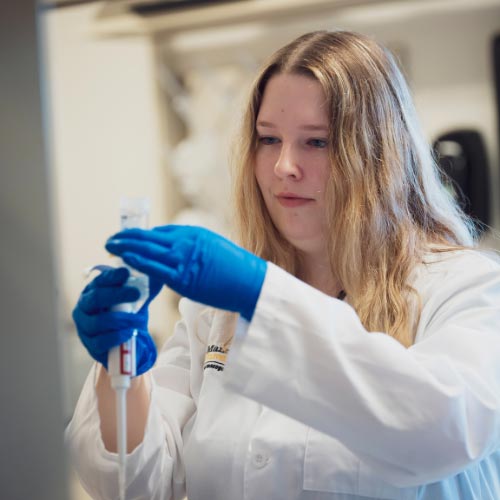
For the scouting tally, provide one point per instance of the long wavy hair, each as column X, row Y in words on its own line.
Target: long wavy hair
column 386, row 201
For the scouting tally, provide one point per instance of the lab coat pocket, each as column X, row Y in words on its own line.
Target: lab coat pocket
column 371, row 485
column 329, row 466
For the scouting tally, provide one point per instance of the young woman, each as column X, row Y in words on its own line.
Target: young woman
column 348, row 349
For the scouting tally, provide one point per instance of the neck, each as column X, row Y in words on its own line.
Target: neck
column 315, row 270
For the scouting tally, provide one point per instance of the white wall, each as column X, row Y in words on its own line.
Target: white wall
column 107, row 143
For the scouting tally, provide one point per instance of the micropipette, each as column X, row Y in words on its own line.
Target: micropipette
column 121, row 359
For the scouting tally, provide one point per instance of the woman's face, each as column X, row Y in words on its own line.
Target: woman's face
column 292, row 161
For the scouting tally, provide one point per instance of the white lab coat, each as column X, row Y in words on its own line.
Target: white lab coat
column 312, row 406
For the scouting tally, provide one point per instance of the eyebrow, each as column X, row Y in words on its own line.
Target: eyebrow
column 304, row 127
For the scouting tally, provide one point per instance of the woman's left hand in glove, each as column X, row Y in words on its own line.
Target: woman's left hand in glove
column 196, row 263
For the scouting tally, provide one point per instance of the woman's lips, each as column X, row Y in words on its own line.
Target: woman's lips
column 291, row 200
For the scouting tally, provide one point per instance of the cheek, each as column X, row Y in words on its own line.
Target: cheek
column 263, row 175
column 322, row 176
column 266, row 157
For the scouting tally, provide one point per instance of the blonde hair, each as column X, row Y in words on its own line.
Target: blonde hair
column 387, row 204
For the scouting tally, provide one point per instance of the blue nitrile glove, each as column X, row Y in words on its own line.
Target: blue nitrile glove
column 100, row 328
column 196, row 263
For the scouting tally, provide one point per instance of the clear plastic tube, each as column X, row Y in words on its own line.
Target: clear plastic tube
column 134, row 212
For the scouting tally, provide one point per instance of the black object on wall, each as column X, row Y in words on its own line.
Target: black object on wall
column 462, row 157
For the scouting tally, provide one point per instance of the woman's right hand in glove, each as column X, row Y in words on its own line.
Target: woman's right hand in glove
column 101, row 328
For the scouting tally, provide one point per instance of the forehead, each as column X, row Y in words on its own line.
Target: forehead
column 291, row 96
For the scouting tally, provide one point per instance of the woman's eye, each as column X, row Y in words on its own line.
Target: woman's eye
column 317, row 143
column 267, row 140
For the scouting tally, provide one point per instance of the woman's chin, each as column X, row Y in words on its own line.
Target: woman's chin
column 306, row 243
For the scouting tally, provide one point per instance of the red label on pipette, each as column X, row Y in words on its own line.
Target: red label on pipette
column 125, row 359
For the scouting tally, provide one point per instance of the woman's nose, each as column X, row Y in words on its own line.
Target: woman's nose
column 288, row 164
